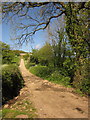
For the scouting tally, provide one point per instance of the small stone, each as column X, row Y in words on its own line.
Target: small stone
column 6, row 106
column 30, row 110
column 24, row 107
column 36, row 113
column 16, row 98
column 10, row 106
column 25, row 103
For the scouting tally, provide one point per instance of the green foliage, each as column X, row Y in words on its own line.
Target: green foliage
column 17, row 52
column 4, row 46
column 86, row 77
column 78, row 34
column 41, row 71
column 8, row 113
column 28, row 65
column 48, row 73
column 70, row 67
column 79, row 92
column 33, row 58
column 12, row 82
column 85, row 86
column 66, row 52
column 67, row 61
column 42, row 56
column 9, row 56
column 77, row 30
column 45, row 54
column 58, row 78
column 16, row 60
column 82, row 77
column 26, row 56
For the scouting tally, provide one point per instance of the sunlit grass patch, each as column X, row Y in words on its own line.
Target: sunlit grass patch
column 24, row 107
column 8, row 113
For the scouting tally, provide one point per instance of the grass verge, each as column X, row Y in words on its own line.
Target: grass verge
column 24, row 107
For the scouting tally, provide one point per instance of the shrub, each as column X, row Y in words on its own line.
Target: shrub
column 26, row 56
column 41, row 71
column 16, row 60
column 82, row 78
column 7, row 56
column 85, row 86
column 47, row 73
column 58, row 78
column 34, row 59
column 28, row 65
column 86, row 75
column 12, row 82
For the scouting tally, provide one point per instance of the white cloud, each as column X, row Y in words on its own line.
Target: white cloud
column 37, row 46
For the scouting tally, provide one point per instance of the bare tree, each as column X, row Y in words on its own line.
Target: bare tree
column 30, row 17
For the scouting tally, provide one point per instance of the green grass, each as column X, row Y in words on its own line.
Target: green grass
column 25, row 107
column 8, row 113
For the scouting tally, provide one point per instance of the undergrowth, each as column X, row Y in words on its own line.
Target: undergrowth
column 50, row 74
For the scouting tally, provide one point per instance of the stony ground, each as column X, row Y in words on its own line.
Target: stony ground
column 49, row 99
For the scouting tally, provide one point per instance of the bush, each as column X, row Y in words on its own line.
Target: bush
column 58, row 78
column 85, row 72
column 85, row 86
column 47, row 73
column 34, row 59
column 82, row 78
column 12, row 82
column 26, row 56
column 16, row 60
column 41, row 71
column 7, row 56
column 28, row 65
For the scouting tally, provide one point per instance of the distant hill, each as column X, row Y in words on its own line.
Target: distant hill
column 5, row 46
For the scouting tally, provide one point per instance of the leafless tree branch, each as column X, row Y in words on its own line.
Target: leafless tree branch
column 34, row 23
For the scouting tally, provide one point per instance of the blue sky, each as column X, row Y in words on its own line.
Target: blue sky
column 39, row 39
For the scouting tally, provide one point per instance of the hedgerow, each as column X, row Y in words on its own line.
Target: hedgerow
column 12, row 82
